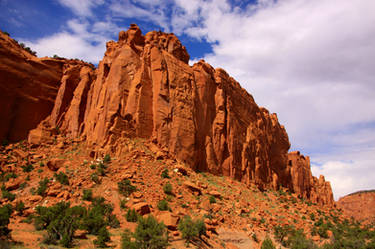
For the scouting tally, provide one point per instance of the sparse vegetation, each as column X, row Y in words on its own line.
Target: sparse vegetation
column 191, row 230
column 5, row 212
column 131, row 215
column 165, row 174
column 95, row 178
column 267, row 244
column 61, row 221
column 107, row 159
column 7, row 195
column 149, row 234
column 87, row 195
column 212, row 199
column 126, row 188
column 43, row 184
column 27, row 168
column 62, row 178
column 163, row 205
column 167, row 188
column 20, row 207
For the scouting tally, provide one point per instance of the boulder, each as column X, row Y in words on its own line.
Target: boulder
column 169, row 220
column 55, row 164
column 142, row 208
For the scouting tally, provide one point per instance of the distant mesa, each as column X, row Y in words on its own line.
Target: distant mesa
column 359, row 205
column 144, row 87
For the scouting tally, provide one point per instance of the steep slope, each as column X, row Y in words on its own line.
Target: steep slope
column 144, row 88
column 359, row 205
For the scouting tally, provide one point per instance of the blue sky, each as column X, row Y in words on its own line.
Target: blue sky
column 311, row 62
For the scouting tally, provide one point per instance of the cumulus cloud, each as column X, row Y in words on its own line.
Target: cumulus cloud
column 81, row 7
column 80, row 39
column 354, row 171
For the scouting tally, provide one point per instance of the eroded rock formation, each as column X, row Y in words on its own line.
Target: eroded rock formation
column 144, row 88
column 305, row 184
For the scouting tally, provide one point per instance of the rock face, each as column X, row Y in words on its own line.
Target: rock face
column 359, row 205
column 28, row 88
column 305, row 184
column 144, row 88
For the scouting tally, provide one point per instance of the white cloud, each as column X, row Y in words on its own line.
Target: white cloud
column 69, row 46
column 355, row 172
column 80, row 39
column 81, row 7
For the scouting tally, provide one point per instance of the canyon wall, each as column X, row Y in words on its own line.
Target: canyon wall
column 144, row 87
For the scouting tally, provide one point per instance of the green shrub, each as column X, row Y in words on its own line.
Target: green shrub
column 125, row 187
column 255, row 238
column 27, row 168
column 10, row 175
column 5, row 212
column 6, row 33
column 93, row 166
column 107, row 158
column 60, row 221
column 201, row 227
column 99, row 214
column 163, row 205
column 102, row 238
column 62, row 178
column 101, row 169
column 281, row 232
column 131, row 215
column 190, row 230
column 212, row 199
column 150, row 234
column 167, row 188
column 187, row 229
column 95, row 178
column 43, row 184
column 312, row 216
column 267, row 244
column 87, row 195
column 7, row 195
column 123, row 204
column 20, row 207
column 165, row 174
column 126, row 240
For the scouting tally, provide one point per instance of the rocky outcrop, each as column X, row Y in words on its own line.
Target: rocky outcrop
column 359, row 205
column 305, row 184
column 70, row 104
column 144, row 88
column 28, row 88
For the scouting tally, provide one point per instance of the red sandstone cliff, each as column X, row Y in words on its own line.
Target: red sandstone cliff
column 360, row 205
column 305, row 184
column 28, row 87
column 144, row 88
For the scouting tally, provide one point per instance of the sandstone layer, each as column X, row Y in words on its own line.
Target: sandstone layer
column 201, row 116
column 359, row 205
